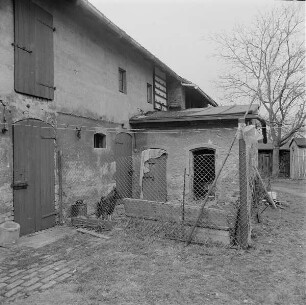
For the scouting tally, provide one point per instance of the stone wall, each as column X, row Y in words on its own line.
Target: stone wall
column 179, row 144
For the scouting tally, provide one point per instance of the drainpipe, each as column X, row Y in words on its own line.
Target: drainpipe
column 263, row 126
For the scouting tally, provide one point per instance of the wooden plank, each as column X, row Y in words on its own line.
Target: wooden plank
column 152, row 210
column 47, row 168
column 23, row 45
column 44, row 57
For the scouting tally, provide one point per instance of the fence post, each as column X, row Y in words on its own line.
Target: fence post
column 60, row 186
column 244, row 211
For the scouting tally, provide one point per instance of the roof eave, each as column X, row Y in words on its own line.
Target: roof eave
column 187, row 118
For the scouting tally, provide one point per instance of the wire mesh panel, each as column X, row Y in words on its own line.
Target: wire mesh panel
column 124, row 174
column 203, row 172
column 154, row 181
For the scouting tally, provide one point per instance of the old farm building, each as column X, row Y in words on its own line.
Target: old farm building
column 72, row 84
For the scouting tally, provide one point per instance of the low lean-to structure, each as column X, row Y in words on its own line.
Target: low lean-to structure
column 298, row 158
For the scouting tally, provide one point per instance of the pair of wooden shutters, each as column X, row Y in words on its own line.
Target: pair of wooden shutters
column 34, row 58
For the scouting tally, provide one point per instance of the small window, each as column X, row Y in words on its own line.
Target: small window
column 99, row 140
column 149, row 93
column 122, row 80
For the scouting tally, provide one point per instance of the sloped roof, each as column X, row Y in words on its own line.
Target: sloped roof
column 208, row 113
column 300, row 142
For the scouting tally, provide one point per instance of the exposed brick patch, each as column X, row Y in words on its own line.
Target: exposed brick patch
column 31, row 275
column 48, row 285
column 14, row 284
column 31, row 282
column 16, row 272
column 33, row 287
column 13, row 291
column 3, row 279
column 49, row 272
column 3, row 285
column 63, row 277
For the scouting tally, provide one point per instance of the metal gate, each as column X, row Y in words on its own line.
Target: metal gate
column 33, row 181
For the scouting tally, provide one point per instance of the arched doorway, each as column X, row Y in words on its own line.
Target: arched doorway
column 203, row 171
column 33, row 181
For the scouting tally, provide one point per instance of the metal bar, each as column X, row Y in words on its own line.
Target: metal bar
column 270, row 200
column 50, row 87
column 21, row 48
column 60, row 185
column 183, row 203
column 243, row 220
column 50, row 214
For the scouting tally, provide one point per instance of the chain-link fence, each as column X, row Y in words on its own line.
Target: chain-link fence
column 210, row 197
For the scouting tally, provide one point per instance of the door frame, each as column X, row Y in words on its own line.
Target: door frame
column 54, row 158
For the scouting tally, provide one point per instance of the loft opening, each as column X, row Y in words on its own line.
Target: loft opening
column 204, row 171
column 99, row 140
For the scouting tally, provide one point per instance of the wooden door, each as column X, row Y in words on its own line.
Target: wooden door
column 124, row 164
column 284, row 163
column 154, row 182
column 265, row 164
column 33, row 183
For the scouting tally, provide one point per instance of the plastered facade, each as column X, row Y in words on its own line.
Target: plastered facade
column 86, row 62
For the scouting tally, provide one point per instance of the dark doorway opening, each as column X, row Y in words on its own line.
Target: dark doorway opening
column 203, row 171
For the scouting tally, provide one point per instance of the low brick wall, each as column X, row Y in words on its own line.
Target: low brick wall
column 215, row 225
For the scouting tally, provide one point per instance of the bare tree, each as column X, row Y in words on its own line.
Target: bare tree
column 267, row 63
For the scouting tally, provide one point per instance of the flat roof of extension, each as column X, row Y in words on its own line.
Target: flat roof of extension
column 196, row 114
column 85, row 4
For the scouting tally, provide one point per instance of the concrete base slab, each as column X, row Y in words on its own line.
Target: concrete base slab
column 46, row 237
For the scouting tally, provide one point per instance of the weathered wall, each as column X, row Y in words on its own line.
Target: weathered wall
column 87, row 59
column 86, row 62
column 88, row 172
column 178, row 143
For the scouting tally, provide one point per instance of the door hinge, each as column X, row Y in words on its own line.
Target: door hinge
column 48, row 138
column 49, row 215
column 47, row 25
column 21, row 48
column 50, row 87
column 18, row 185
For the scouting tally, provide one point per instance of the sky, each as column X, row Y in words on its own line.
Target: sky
column 179, row 32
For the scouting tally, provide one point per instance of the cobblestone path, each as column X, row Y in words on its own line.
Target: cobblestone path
column 36, row 270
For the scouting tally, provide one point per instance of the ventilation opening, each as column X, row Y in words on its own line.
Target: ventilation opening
column 203, row 171
column 99, row 140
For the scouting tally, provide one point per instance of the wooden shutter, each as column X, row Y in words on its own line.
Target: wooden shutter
column 44, row 58
column 160, row 90
column 24, row 56
column 34, row 58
